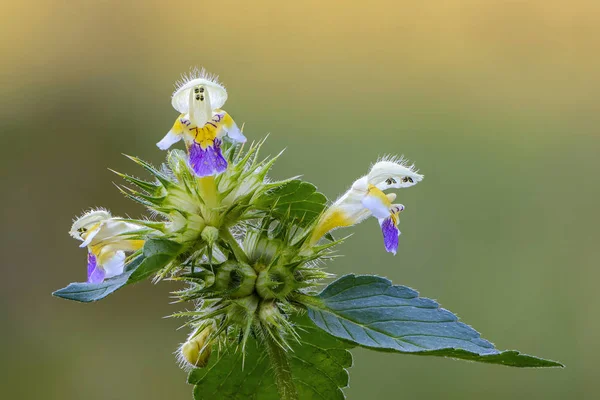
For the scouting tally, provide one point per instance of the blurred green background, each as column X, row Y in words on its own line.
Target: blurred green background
column 497, row 102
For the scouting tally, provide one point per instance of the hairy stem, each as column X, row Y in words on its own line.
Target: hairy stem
column 281, row 368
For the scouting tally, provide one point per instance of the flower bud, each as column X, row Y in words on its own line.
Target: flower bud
column 269, row 313
column 242, row 310
column 177, row 160
column 210, row 234
column 187, row 227
column 195, row 353
column 235, row 278
column 276, row 282
column 260, row 248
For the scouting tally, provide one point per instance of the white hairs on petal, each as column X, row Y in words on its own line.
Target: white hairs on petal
column 196, row 73
column 400, row 160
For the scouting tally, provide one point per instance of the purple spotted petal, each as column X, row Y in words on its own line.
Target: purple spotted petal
column 390, row 235
column 209, row 161
column 95, row 273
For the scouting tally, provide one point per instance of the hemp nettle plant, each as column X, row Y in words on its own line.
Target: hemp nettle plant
column 251, row 256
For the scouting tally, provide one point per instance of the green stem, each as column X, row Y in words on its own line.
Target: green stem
column 281, row 368
column 235, row 246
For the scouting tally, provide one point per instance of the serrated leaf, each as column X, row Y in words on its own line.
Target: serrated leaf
column 155, row 255
column 318, row 364
column 371, row 312
column 296, row 200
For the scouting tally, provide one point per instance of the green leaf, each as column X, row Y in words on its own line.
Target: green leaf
column 88, row 292
column 318, row 364
column 155, row 255
column 371, row 312
column 296, row 199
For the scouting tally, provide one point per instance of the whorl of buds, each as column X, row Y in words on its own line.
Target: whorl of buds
column 243, row 257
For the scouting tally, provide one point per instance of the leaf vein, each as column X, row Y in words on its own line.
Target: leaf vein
column 370, row 296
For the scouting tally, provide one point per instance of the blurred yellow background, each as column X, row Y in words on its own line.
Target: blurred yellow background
column 497, row 102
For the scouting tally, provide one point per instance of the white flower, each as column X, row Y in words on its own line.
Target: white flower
column 107, row 240
column 366, row 198
column 202, row 124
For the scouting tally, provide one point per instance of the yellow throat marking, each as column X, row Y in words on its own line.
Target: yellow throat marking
column 372, row 190
column 206, row 135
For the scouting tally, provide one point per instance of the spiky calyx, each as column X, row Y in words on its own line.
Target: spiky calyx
column 246, row 261
column 256, row 294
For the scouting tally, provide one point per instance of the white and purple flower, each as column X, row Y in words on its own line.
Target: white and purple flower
column 202, row 124
column 107, row 240
column 367, row 198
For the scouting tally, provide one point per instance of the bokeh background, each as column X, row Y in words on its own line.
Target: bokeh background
column 497, row 102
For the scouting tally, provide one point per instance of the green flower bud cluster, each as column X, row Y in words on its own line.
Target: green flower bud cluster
column 246, row 259
column 262, row 281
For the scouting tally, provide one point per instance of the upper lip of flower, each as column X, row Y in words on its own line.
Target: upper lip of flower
column 181, row 96
column 393, row 173
column 384, row 175
column 87, row 221
column 87, row 227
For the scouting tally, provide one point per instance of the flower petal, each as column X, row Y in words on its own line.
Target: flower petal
column 209, row 161
column 346, row 211
column 393, row 175
column 114, row 231
column 95, row 273
column 390, row 234
column 180, row 99
column 350, row 204
column 231, row 128
column 90, row 234
column 175, row 134
column 112, row 263
column 235, row 133
column 200, row 106
column 377, row 202
column 170, row 139
column 87, row 221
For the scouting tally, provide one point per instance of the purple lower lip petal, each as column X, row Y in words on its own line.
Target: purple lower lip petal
column 95, row 273
column 390, row 235
column 209, row 161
